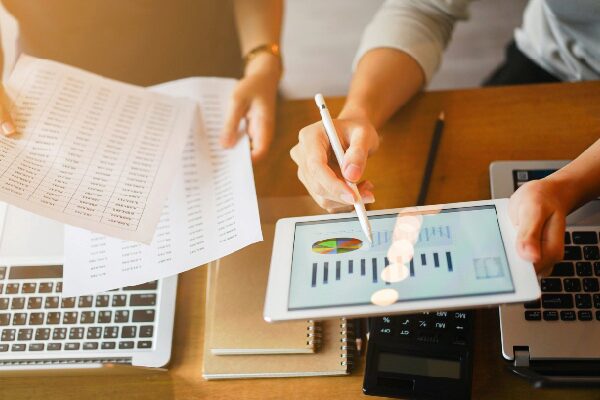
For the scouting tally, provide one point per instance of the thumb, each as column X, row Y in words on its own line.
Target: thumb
column 355, row 158
column 230, row 132
column 529, row 236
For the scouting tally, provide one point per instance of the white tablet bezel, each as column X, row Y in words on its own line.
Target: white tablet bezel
column 276, row 302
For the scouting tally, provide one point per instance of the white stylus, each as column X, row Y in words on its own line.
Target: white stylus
column 359, row 206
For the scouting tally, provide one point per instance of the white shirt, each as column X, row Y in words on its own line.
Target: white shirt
column 563, row 37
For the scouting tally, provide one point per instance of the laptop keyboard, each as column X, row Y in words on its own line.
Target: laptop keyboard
column 572, row 291
column 36, row 318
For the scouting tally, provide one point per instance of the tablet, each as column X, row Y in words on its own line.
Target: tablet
column 421, row 258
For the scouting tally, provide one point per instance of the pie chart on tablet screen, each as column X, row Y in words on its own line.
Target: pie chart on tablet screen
column 336, row 245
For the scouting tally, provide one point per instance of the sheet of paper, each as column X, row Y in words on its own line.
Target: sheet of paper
column 90, row 151
column 211, row 210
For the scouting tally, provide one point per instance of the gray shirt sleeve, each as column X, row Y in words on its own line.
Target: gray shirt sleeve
column 421, row 28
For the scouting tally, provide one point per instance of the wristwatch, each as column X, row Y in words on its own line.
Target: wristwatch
column 271, row 48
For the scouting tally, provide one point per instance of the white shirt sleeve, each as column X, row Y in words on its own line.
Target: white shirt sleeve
column 421, row 28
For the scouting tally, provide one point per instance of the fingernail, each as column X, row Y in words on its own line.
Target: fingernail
column 8, row 128
column 368, row 198
column 531, row 251
column 347, row 198
column 352, row 172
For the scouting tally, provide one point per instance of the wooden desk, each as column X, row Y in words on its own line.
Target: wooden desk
column 528, row 122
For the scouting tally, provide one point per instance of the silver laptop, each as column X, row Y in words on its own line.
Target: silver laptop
column 39, row 328
column 564, row 325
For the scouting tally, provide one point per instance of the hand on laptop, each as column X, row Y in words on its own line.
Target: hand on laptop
column 538, row 212
column 7, row 126
column 317, row 166
column 254, row 99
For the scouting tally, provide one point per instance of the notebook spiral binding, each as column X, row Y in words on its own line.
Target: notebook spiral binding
column 347, row 343
column 314, row 334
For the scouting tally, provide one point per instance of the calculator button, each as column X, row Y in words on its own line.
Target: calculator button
column 36, row 318
column 54, row 346
column 460, row 339
column 71, row 346
column 76, row 333
column 563, row 269
column 85, row 301
column 68, row 302
column 108, row 345
column 143, row 316
column 149, row 299
column 45, row 287
column 591, row 285
column 70, row 317
column 591, row 252
column 94, row 332
column 557, row 300
column 2, row 272
column 18, row 347
column 4, row 319
column 3, row 348
column 144, row 286
column 128, row 332
column 126, row 345
column 583, row 301
column 90, row 346
column 104, row 317
column 17, row 303
column 59, row 333
column 551, row 285
column 146, row 331
column 25, row 334
column 28, row 287
column 533, row 315
column 584, row 315
column 122, row 316
column 144, row 344
column 87, row 317
column 12, row 288
column 53, row 318
column 585, row 237
column 58, row 288
column 428, row 337
column 8, row 335
column 111, row 332
column 19, row 319
column 36, row 347
column 440, row 325
column 460, row 315
column 51, row 302
column 102, row 300
column 387, row 331
column 4, row 303
column 119, row 300
column 550, row 315
column 42, row 334
column 584, row 268
column 568, row 316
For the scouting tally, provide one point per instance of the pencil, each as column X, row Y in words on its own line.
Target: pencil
column 435, row 143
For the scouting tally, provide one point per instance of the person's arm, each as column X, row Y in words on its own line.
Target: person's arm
column 539, row 208
column 7, row 126
column 258, row 23
column 400, row 51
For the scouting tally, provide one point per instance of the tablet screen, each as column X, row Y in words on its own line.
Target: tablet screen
column 414, row 256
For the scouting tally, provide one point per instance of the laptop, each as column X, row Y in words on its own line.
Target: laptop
column 39, row 328
column 554, row 340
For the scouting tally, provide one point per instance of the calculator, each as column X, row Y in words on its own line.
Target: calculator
column 420, row 356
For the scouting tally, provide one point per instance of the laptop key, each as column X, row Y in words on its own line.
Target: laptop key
column 102, row 300
column 584, row 268
column 59, row 333
column 19, row 319
column 567, row 238
column 12, row 288
column 51, row 302
column 104, row 317
column 557, row 300
column 583, row 300
column 8, row 335
column 2, row 272
column 4, row 303
column 53, row 318
column 533, row 304
column 146, row 331
column 584, row 315
column 87, row 317
column 122, row 316
column 572, row 253
column 119, row 300
column 144, row 344
column 42, row 334
column 25, row 334
column 597, row 268
column 551, row 315
column 591, row 252
column 111, row 332
column 128, row 332
column 597, row 300
column 572, row 285
column 568, row 316
column 36, row 318
column 145, row 299
column 143, row 316
column 17, row 303
column 58, row 288
column 36, row 346
column 71, row 346
column 94, row 332
column 70, row 317
column 598, row 315
column 108, row 345
column 90, row 346
column 144, row 286
column 551, row 285
column 28, row 287
column 591, row 285
column 85, row 301
column 54, row 346
column 585, row 237
column 3, row 348
column 533, row 315
column 76, row 333
column 68, row 302
column 18, row 347
column 45, row 287
column 4, row 319
column 126, row 345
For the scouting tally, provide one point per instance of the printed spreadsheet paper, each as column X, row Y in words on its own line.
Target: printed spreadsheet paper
column 91, row 152
column 211, row 210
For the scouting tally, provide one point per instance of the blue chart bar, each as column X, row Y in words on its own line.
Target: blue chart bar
column 386, row 263
column 351, row 266
column 313, row 282
column 338, row 266
column 374, row 270
column 436, row 260
column 325, row 272
column 449, row 260
column 423, row 259
column 363, row 270
column 412, row 267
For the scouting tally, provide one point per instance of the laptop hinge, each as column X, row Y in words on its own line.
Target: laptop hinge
column 522, row 358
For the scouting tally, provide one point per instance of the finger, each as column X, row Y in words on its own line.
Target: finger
column 7, row 125
column 260, row 129
column 237, row 111
column 552, row 245
column 366, row 192
column 355, row 158
column 329, row 205
column 529, row 236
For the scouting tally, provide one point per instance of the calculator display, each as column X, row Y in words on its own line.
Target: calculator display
column 410, row 365
column 414, row 256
